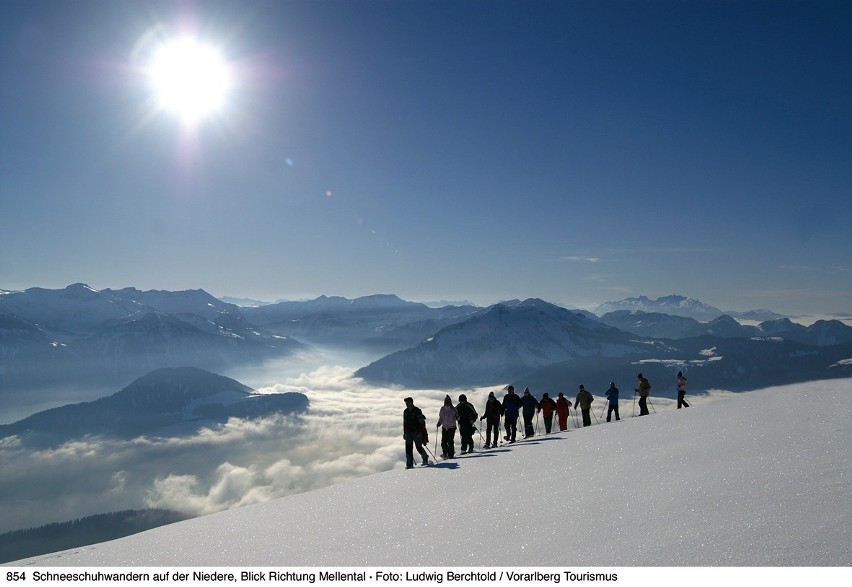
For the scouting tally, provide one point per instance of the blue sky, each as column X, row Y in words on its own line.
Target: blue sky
column 461, row 150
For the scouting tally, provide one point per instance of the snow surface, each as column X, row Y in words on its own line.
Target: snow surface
column 755, row 479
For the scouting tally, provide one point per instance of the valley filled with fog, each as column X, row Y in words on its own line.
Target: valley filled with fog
column 344, row 434
column 351, row 429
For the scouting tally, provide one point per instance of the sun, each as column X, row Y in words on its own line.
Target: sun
column 190, row 79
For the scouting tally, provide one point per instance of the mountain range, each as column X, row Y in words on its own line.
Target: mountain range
column 658, row 325
column 385, row 323
column 82, row 336
column 79, row 335
column 535, row 343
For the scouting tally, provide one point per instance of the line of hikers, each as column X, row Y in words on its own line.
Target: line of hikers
column 464, row 417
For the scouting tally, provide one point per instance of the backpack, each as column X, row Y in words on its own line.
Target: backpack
column 471, row 412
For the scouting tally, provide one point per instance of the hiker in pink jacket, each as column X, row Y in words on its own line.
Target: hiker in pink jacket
column 447, row 421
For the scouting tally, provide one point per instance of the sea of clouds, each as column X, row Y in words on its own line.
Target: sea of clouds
column 352, row 429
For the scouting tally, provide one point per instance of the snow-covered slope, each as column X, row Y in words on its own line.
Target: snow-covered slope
column 756, row 479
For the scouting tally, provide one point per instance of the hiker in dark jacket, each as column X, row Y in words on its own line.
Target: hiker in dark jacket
column 643, row 390
column 511, row 409
column 547, row 407
column 583, row 402
column 612, row 394
column 493, row 412
column 414, row 432
column 467, row 423
column 530, row 405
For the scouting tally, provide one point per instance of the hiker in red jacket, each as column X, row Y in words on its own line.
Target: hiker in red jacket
column 547, row 406
column 562, row 408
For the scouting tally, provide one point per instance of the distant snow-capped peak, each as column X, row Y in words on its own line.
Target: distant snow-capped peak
column 675, row 305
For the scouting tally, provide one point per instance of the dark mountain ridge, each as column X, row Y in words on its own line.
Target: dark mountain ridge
column 162, row 398
column 658, row 325
column 20, row 544
column 709, row 362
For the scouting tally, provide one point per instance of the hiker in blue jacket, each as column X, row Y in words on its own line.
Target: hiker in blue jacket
column 511, row 409
column 612, row 394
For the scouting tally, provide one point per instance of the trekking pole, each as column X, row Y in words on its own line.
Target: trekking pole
column 481, row 440
column 434, row 458
column 652, row 404
column 634, row 402
column 595, row 415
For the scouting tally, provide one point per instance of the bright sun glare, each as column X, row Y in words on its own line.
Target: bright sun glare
column 190, row 79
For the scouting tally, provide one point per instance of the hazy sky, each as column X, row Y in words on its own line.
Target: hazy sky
column 575, row 151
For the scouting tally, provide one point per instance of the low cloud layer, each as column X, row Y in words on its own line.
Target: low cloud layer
column 351, row 430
